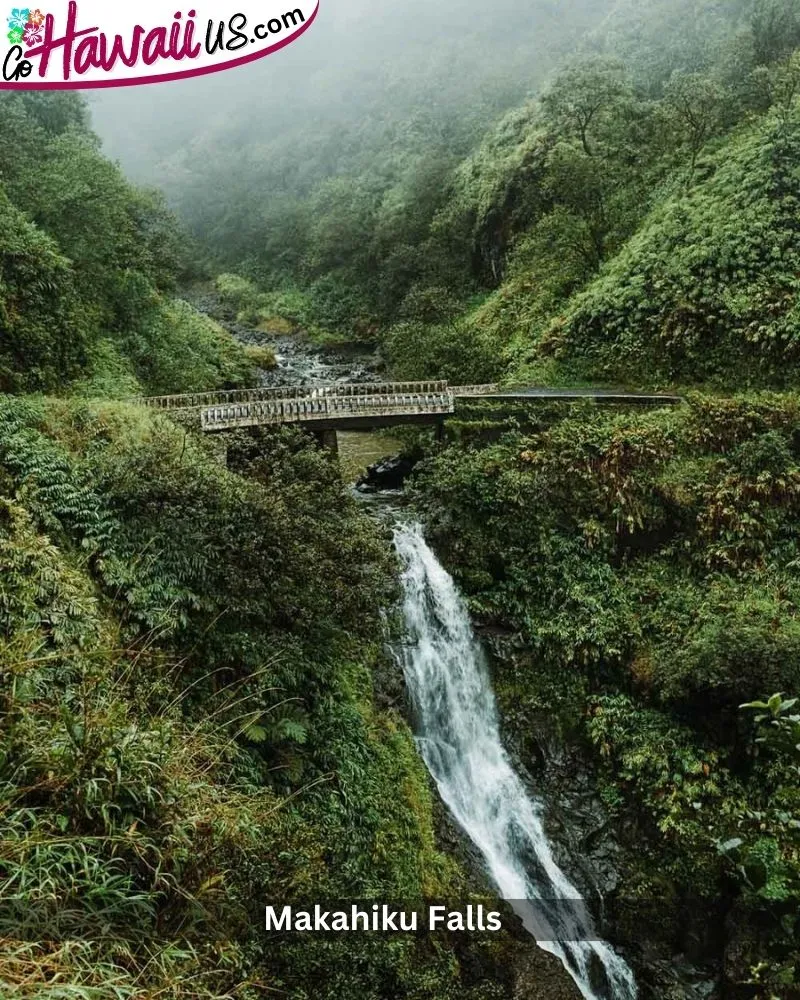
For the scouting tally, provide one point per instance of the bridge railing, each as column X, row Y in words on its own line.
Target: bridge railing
column 193, row 401
column 383, row 388
column 321, row 408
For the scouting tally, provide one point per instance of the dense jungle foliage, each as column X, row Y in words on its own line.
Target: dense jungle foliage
column 649, row 564
column 87, row 265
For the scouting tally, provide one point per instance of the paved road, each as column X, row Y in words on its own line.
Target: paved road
column 609, row 395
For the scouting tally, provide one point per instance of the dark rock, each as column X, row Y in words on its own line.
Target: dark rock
column 388, row 683
column 388, row 474
column 677, row 979
column 540, row 976
column 670, row 943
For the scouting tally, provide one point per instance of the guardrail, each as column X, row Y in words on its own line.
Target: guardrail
column 308, row 404
column 474, row 390
column 325, row 408
column 194, row 401
column 381, row 389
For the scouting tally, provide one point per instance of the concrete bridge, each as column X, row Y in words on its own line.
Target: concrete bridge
column 372, row 405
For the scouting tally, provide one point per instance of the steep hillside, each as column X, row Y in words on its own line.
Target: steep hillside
column 645, row 234
column 707, row 289
column 88, row 265
column 646, row 567
column 188, row 728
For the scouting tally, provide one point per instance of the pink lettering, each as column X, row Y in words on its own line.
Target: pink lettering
column 155, row 46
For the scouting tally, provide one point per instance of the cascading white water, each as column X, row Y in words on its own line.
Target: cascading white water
column 459, row 739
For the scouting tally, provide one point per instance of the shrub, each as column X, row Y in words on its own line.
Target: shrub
column 174, row 349
column 262, row 357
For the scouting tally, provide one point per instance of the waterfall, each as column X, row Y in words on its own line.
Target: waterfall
column 458, row 735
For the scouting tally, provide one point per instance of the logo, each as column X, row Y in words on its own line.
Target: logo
column 92, row 43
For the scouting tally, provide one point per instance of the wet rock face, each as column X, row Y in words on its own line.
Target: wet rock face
column 673, row 950
column 388, row 474
column 540, row 976
column 677, row 980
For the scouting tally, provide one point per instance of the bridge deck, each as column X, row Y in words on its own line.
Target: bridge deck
column 367, row 405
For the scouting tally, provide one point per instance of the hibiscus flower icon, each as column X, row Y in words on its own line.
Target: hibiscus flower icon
column 36, row 18
column 20, row 16
column 15, row 36
column 33, row 34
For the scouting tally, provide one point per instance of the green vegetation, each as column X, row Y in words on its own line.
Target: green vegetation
column 650, row 226
column 651, row 559
column 188, row 728
column 87, row 265
column 708, row 286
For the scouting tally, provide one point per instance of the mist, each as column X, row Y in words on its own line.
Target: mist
column 358, row 60
column 397, row 159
